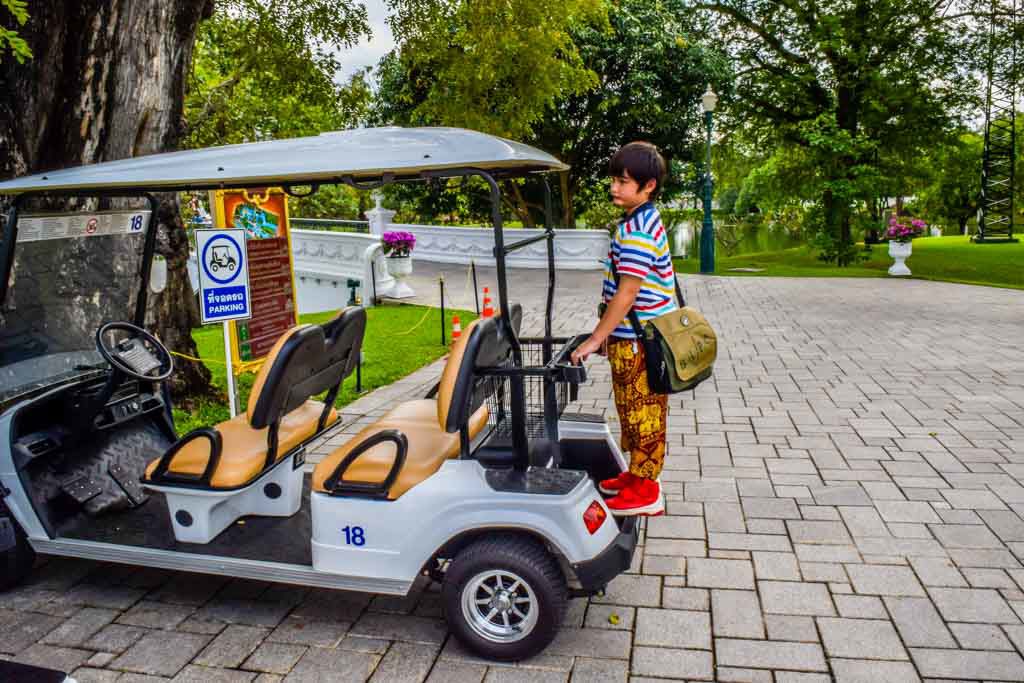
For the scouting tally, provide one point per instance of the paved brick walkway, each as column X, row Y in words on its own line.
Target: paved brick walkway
column 846, row 501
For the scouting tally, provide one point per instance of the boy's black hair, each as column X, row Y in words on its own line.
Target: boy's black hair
column 642, row 160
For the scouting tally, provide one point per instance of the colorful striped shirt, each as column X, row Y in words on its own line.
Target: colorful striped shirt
column 640, row 249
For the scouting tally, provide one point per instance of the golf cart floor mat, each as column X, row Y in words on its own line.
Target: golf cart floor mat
column 269, row 539
column 539, row 480
column 101, row 474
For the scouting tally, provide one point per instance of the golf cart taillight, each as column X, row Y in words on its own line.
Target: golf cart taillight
column 594, row 517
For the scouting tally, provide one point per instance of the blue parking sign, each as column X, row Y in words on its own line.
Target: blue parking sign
column 223, row 275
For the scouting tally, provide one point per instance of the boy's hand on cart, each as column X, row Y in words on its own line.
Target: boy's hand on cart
column 588, row 347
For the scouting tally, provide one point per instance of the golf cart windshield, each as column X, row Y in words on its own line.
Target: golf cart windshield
column 71, row 274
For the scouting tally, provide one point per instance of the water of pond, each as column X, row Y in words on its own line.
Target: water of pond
column 749, row 239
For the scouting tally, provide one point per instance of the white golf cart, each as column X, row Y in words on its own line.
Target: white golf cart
column 485, row 485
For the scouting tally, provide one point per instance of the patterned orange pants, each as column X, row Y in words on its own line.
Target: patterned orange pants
column 642, row 414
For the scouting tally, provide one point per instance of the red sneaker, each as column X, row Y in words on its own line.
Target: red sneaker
column 614, row 486
column 641, row 497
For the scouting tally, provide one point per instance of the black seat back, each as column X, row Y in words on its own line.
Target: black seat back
column 306, row 361
column 488, row 344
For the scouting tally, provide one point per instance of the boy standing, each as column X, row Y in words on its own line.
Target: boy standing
column 638, row 276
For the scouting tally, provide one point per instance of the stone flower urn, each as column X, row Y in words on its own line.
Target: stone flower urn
column 900, row 252
column 400, row 267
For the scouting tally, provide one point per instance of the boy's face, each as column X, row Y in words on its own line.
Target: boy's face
column 627, row 193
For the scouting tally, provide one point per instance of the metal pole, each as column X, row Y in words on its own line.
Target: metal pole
column 444, row 339
column 359, row 374
column 707, row 230
column 231, row 372
column 476, row 288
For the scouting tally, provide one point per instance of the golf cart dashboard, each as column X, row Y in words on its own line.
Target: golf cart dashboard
column 46, row 426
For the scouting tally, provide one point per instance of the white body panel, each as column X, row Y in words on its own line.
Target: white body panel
column 568, row 429
column 213, row 511
column 402, row 535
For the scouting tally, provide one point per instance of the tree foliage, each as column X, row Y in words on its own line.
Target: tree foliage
column 10, row 41
column 618, row 71
column 844, row 80
column 268, row 71
column 490, row 65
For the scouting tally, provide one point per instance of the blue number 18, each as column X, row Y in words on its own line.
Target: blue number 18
column 354, row 535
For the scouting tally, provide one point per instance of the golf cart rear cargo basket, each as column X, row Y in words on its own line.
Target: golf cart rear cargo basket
column 537, row 375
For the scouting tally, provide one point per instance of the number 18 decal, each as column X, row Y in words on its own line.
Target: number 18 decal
column 354, row 535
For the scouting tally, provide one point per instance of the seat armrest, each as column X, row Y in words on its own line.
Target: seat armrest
column 335, row 484
column 162, row 475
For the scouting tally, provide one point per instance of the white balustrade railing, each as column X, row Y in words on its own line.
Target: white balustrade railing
column 574, row 249
column 325, row 261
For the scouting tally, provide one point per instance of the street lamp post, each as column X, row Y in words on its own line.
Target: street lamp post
column 707, row 232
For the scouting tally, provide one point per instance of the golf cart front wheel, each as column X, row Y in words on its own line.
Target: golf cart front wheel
column 504, row 597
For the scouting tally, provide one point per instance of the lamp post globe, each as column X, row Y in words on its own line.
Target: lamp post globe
column 709, row 100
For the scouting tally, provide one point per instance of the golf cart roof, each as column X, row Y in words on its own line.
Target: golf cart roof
column 363, row 155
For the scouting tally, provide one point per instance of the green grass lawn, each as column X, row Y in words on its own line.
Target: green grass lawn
column 951, row 259
column 390, row 352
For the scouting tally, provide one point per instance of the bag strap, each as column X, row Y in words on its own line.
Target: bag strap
column 634, row 319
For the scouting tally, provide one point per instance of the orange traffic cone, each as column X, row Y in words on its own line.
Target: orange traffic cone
column 456, row 328
column 488, row 311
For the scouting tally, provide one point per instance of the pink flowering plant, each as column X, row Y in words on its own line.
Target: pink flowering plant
column 905, row 231
column 398, row 244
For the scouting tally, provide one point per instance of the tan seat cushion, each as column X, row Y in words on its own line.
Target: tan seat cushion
column 244, row 448
column 429, row 447
column 425, row 410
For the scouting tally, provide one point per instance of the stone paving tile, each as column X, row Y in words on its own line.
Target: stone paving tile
column 669, row 663
column 51, row 657
column 80, row 627
column 860, row 638
column 161, row 653
column 588, row 670
column 883, row 580
column 790, row 597
column 737, row 614
column 320, row 664
column 672, row 628
column 232, row 646
column 764, row 654
column 274, row 658
column 975, row 664
column 862, row 671
column 919, row 623
column 973, row 605
column 712, row 573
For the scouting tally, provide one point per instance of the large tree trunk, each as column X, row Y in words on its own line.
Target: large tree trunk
column 107, row 81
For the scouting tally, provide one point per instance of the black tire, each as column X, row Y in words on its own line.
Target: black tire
column 542, row 583
column 17, row 562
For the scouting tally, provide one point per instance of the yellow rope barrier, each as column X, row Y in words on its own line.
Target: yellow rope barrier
column 198, row 360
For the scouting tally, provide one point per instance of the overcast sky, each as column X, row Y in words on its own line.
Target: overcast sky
column 369, row 52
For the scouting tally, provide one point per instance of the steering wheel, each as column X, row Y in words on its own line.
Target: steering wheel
column 131, row 356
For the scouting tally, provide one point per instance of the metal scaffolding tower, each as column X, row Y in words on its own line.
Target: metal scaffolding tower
column 997, row 172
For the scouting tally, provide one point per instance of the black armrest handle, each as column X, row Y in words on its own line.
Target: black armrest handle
column 337, row 486
column 162, row 475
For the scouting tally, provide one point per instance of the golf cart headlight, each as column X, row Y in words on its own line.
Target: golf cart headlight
column 594, row 517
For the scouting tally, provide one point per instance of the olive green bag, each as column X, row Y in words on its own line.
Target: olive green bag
column 681, row 347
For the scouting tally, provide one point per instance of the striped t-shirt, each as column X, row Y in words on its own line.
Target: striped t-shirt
column 640, row 249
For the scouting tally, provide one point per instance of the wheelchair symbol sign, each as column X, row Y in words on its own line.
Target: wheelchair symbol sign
column 223, row 275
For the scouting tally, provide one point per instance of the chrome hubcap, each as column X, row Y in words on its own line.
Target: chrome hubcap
column 499, row 606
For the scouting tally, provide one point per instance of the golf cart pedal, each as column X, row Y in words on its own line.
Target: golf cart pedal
column 129, row 484
column 82, row 489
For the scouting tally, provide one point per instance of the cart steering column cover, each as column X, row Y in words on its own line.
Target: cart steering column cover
column 350, row 156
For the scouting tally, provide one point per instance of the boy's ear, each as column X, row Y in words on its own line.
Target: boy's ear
column 650, row 186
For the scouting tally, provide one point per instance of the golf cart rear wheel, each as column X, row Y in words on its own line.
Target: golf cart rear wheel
column 504, row 597
column 15, row 562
